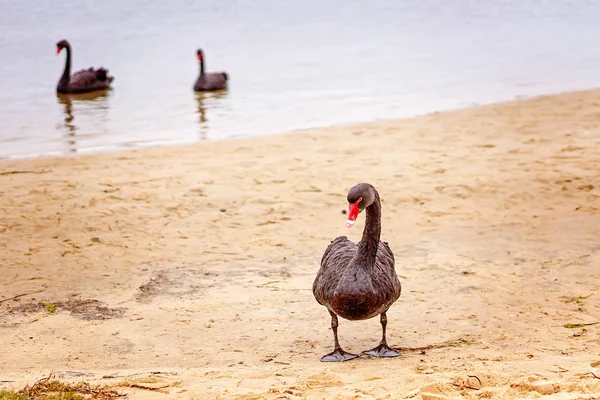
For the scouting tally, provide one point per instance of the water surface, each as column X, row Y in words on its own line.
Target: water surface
column 292, row 65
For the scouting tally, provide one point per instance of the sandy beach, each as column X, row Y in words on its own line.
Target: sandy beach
column 186, row 272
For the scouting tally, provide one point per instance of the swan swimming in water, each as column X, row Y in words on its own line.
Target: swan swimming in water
column 85, row 80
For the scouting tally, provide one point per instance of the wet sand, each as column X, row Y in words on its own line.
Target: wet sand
column 189, row 269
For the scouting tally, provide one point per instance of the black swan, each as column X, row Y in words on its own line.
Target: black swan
column 358, row 281
column 209, row 81
column 86, row 80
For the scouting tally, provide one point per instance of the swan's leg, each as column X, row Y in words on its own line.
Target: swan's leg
column 338, row 354
column 383, row 350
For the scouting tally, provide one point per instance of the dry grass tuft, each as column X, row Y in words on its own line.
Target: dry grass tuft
column 52, row 389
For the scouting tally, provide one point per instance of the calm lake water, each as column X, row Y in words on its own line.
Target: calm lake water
column 292, row 65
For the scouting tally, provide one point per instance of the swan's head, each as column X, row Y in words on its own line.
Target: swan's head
column 199, row 55
column 61, row 45
column 359, row 197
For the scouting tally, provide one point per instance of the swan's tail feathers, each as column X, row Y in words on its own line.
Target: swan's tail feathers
column 225, row 76
column 102, row 75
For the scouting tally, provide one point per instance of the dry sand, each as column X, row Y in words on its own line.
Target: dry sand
column 189, row 269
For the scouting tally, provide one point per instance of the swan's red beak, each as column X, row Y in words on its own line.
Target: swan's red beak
column 199, row 57
column 352, row 214
column 58, row 49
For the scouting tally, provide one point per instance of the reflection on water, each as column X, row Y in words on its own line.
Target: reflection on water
column 207, row 100
column 94, row 104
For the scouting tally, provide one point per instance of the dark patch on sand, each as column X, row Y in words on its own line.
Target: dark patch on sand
column 182, row 282
column 86, row 309
column 155, row 286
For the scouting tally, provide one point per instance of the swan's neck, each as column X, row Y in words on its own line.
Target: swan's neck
column 367, row 248
column 202, row 65
column 64, row 80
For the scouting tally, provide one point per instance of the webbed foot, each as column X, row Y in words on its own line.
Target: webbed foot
column 338, row 355
column 383, row 350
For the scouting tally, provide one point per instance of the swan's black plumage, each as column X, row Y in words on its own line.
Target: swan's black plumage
column 358, row 280
column 209, row 81
column 86, row 80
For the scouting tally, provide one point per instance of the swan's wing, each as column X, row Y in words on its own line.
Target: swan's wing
column 384, row 275
column 385, row 255
column 339, row 252
column 83, row 78
column 90, row 78
column 215, row 80
column 336, row 258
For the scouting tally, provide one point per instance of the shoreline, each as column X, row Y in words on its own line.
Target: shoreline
column 122, row 147
column 492, row 214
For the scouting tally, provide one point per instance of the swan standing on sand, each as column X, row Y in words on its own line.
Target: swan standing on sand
column 86, row 80
column 209, row 81
column 358, row 281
